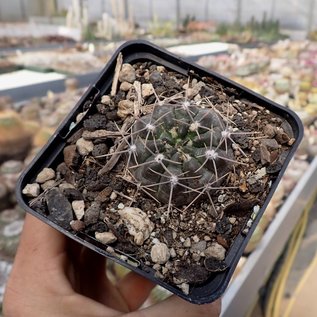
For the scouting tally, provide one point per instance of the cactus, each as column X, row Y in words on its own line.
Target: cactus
column 181, row 152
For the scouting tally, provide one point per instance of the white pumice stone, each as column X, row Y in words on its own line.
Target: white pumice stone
column 45, row 175
column 84, row 147
column 31, row 190
column 105, row 237
column 160, row 253
column 216, row 251
column 138, row 223
column 79, row 208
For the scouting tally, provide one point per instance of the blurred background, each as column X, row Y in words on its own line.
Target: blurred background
column 51, row 50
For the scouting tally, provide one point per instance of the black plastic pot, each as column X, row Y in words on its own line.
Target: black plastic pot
column 51, row 154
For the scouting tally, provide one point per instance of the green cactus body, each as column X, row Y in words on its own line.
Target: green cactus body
column 178, row 153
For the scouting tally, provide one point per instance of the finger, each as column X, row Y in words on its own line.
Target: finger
column 74, row 250
column 40, row 240
column 95, row 283
column 41, row 260
column 91, row 272
column 135, row 289
column 177, row 307
column 93, row 263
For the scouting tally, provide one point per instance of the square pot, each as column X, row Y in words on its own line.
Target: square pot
column 51, row 156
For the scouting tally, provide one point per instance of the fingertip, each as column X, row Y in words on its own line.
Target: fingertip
column 135, row 281
column 177, row 307
column 40, row 238
column 135, row 289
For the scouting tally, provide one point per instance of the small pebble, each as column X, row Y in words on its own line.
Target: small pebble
column 125, row 86
column 195, row 238
column 256, row 142
column 125, row 108
column 77, row 225
column 160, row 69
column 80, row 116
column 221, row 198
column 156, row 267
column 269, row 130
column 164, row 270
column 49, row 184
column 45, row 175
column 178, row 281
column 64, row 186
column 291, row 141
column 216, row 251
column 121, row 206
column 113, row 196
column 173, row 252
column 169, row 265
column 84, row 147
column 232, row 220
column 270, row 143
column 156, row 78
column 60, row 209
column 200, row 221
column 160, row 253
column 253, row 216
column 147, row 90
column 73, row 194
column 105, row 237
column 79, row 208
column 123, row 257
column 70, row 155
column 180, row 252
column 245, row 231
column 199, row 246
column 260, row 173
column 196, row 257
column 110, row 250
column 92, row 213
column 127, row 73
column 187, row 243
column 197, row 99
column 104, row 194
column 256, row 209
column 105, row 100
column 159, row 275
column 207, row 238
column 185, row 288
column 31, row 190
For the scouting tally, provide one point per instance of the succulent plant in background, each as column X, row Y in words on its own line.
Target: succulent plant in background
column 181, row 152
column 15, row 139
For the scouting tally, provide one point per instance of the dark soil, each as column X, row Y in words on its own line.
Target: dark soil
column 193, row 240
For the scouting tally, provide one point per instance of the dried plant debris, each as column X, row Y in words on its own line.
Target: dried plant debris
column 165, row 171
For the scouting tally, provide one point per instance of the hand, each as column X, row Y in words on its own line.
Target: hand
column 53, row 276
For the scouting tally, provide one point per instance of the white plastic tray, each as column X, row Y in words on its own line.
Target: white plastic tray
column 243, row 292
